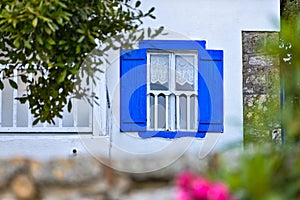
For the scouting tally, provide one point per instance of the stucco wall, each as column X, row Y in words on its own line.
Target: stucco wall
column 218, row 22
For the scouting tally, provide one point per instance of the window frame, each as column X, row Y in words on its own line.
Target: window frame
column 172, row 90
column 24, row 125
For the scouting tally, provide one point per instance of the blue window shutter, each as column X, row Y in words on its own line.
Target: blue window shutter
column 133, row 77
column 210, row 87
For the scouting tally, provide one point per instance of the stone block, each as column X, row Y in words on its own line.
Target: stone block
column 24, row 187
column 67, row 172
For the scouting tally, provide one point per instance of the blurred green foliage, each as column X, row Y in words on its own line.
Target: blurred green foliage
column 268, row 114
column 289, row 9
column 53, row 39
column 262, row 173
column 289, row 51
column 266, row 171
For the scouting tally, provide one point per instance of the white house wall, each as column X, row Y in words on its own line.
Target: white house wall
column 219, row 23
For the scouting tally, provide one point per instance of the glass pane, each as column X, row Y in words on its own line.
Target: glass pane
column 193, row 112
column 172, row 112
column 68, row 119
column 83, row 113
column 184, row 66
column 182, row 112
column 22, row 109
column 151, row 111
column 161, row 111
column 159, row 72
column 7, row 105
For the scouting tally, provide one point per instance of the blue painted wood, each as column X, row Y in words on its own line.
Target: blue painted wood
column 171, row 134
column 133, row 88
column 133, row 91
column 172, row 44
column 210, row 85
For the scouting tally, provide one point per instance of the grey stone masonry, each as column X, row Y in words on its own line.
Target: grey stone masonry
column 86, row 178
column 260, row 86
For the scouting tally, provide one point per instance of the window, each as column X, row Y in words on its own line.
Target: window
column 171, row 89
column 17, row 118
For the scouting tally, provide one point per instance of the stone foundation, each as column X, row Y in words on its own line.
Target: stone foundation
column 85, row 178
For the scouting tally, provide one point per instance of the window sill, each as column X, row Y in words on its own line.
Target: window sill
column 170, row 134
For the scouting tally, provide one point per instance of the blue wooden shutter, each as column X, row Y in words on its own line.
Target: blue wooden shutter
column 133, row 77
column 210, row 95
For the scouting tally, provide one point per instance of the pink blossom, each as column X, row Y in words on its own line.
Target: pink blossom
column 184, row 179
column 200, row 188
column 192, row 187
column 182, row 195
column 218, row 191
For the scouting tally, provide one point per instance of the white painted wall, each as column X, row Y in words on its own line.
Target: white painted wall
column 220, row 23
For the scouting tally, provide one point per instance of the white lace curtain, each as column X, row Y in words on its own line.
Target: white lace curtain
column 159, row 70
column 160, row 66
column 184, row 65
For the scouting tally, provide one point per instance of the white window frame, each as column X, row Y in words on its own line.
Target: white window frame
column 175, row 123
column 42, row 127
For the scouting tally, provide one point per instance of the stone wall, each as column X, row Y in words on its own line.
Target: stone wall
column 261, row 88
column 85, row 178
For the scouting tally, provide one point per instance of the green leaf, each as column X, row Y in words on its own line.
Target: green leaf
column 22, row 99
column 81, row 39
column 81, row 31
column 14, row 23
column 39, row 39
column 16, row 43
column 151, row 10
column 50, row 25
column 77, row 49
column 35, row 121
column 24, row 78
column 48, row 30
column 62, row 42
column 157, row 32
column 30, row 10
column 51, row 41
column 13, row 84
column 60, row 21
column 70, row 106
column 54, row 94
column 34, row 22
column 152, row 16
column 137, row 4
column 27, row 44
column 1, row 85
column 62, row 77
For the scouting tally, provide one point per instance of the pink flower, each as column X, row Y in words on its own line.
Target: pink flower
column 192, row 187
column 218, row 191
column 184, row 179
column 182, row 195
column 200, row 188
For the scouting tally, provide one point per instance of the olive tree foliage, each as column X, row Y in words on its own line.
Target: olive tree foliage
column 48, row 42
